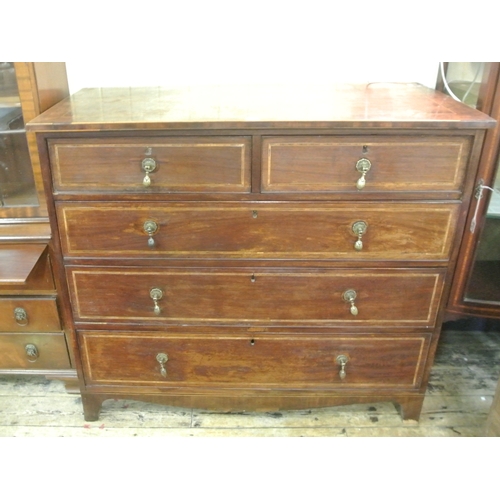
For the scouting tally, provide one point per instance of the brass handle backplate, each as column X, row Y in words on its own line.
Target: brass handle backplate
column 31, row 352
column 162, row 358
column 362, row 166
column 21, row 316
column 156, row 294
column 350, row 296
column 359, row 229
column 150, row 228
column 148, row 166
column 342, row 361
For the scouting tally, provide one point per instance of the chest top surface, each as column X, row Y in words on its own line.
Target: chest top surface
column 395, row 105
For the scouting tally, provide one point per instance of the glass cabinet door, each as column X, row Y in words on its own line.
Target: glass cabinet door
column 17, row 183
column 476, row 288
column 483, row 286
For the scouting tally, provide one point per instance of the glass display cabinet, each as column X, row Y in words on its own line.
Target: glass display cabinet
column 32, row 339
column 476, row 288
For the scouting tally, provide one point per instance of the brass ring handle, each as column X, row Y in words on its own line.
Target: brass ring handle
column 150, row 228
column 350, row 296
column 342, row 361
column 162, row 358
column 148, row 166
column 156, row 294
column 362, row 166
column 359, row 229
column 21, row 316
column 31, row 352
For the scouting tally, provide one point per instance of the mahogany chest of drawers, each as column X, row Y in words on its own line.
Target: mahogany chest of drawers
column 261, row 247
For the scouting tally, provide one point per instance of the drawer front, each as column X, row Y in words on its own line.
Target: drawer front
column 403, row 231
column 22, row 314
column 266, row 361
column 397, row 164
column 41, row 351
column 184, row 164
column 270, row 297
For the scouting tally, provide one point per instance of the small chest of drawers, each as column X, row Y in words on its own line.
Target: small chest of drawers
column 32, row 339
column 260, row 247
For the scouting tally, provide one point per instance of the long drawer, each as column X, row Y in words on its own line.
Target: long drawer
column 377, row 297
column 245, row 361
column 400, row 231
column 29, row 314
column 393, row 164
column 34, row 351
column 152, row 164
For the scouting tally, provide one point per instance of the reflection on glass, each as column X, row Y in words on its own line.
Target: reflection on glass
column 17, row 185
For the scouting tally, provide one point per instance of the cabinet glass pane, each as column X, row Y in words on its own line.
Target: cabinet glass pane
column 484, row 280
column 17, row 185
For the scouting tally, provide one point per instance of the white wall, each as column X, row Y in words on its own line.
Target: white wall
column 185, row 68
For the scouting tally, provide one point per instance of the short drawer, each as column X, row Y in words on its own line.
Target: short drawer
column 365, row 231
column 23, row 314
column 397, row 164
column 379, row 297
column 244, row 361
column 41, row 351
column 151, row 164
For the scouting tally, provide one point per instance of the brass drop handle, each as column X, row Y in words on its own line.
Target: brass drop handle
column 359, row 229
column 150, row 228
column 148, row 166
column 350, row 296
column 162, row 358
column 362, row 166
column 156, row 294
column 31, row 352
column 342, row 361
column 21, row 316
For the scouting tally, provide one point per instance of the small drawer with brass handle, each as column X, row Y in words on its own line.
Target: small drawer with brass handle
column 33, row 351
column 153, row 164
column 398, row 165
column 26, row 314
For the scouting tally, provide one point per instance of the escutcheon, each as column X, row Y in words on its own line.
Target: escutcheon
column 156, row 294
column 362, row 166
column 162, row 358
column 148, row 166
column 359, row 229
column 350, row 296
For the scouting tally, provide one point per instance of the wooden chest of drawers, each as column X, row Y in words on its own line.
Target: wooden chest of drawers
column 31, row 335
column 259, row 247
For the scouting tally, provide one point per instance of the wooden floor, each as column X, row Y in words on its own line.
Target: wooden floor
column 461, row 389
